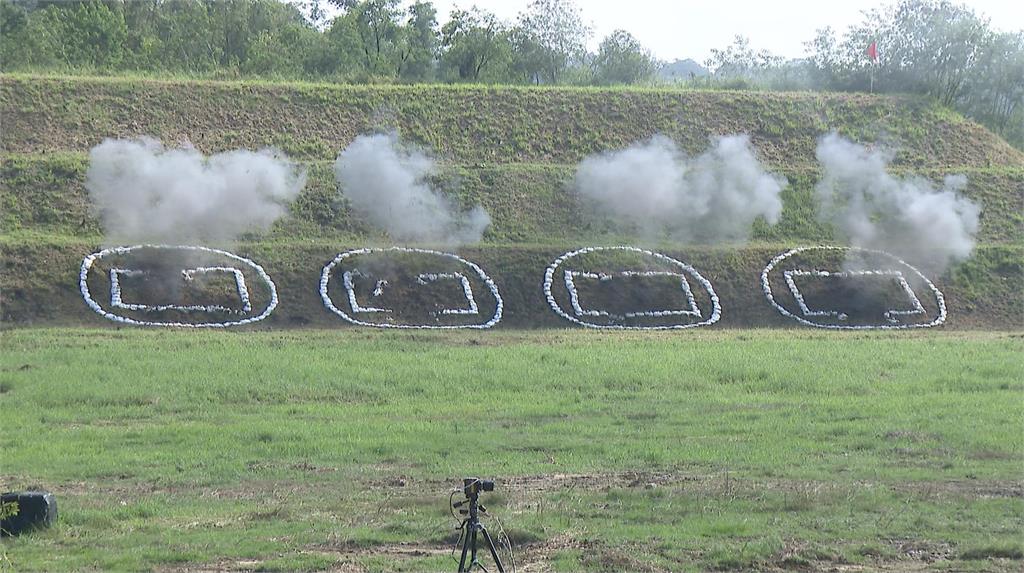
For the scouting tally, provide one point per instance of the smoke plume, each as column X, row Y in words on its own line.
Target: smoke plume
column 906, row 216
column 387, row 183
column 654, row 187
column 144, row 192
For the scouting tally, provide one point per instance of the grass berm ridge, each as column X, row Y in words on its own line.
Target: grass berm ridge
column 511, row 149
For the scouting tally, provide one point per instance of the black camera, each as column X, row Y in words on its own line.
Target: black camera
column 473, row 486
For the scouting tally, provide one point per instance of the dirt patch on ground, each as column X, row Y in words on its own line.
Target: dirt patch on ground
column 525, row 487
column 521, row 494
column 540, row 557
column 518, row 490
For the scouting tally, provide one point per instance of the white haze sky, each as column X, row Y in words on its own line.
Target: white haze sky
column 687, row 29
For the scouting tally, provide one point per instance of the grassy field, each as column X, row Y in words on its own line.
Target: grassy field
column 336, row 450
column 308, row 445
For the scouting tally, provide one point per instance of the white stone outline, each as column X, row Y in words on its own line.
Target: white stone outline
column 188, row 274
column 240, row 286
column 939, row 298
column 89, row 260
column 325, row 277
column 716, row 307
column 574, row 297
column 350, row 288
column 889, row 314
column 467, row 289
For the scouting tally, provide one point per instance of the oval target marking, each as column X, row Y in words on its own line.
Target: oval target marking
column 235, row 274
column 889, row 301
column 681, row 305
column 377, row 293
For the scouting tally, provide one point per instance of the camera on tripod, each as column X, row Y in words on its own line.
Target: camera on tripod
column 471, row 527
column 473, row 486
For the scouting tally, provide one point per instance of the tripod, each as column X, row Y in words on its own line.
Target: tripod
column 471, row 526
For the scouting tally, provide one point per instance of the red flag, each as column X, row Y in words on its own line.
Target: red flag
column 873, row 51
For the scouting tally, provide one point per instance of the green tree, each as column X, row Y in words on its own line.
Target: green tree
column 283, row 43
column 183, row 37
column 23, row 40
column 82, row 34
column 314, row 11
column 343, row 55
column 266, row 58
column 994, row 94
column 931, row 47
column 143, row 44
column 621, row 59
column 924, row 46
column 375, row 23
column 417, row 44
column 549, row 39
column 739, row 60
column 474, row 46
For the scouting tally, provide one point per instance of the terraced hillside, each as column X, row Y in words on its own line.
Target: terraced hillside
column 513, row 150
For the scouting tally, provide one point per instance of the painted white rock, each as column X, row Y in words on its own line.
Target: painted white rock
column 360, row 286
column 922, row 305
column 233, row 266
column 566, row 274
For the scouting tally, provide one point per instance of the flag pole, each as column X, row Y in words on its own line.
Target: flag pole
column 872, row 52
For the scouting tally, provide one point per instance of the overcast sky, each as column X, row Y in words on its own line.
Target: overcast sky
column 686, row 29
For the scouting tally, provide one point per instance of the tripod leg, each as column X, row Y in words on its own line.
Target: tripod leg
column 465, row 548
column 472, row 559
column 494, row 551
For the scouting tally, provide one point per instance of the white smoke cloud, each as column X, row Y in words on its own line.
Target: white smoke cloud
column 655, row 187
column 386, row 183
column 906, row 216
column 143, row 192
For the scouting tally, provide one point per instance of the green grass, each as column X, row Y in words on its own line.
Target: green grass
column 478, row 124
column 735, row 449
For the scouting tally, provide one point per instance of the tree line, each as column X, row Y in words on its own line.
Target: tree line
column 370, row 41
column 930, row 47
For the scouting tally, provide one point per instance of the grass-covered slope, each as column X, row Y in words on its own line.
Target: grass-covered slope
column 473, row 125
column 513, row 150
